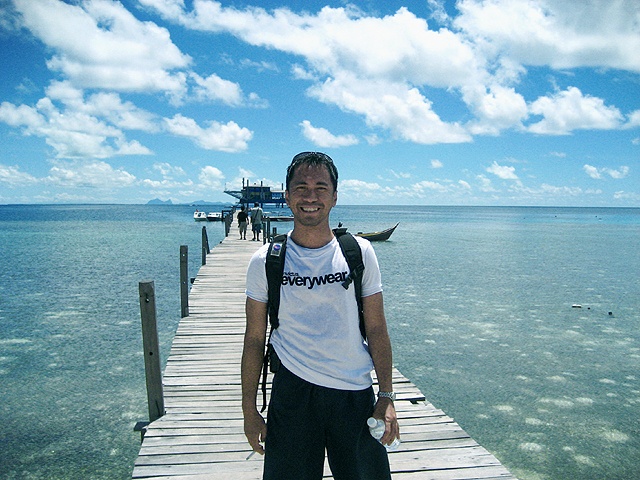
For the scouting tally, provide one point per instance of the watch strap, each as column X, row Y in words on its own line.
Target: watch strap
column 389, row 395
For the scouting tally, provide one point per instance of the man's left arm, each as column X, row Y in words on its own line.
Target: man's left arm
column 381, row 354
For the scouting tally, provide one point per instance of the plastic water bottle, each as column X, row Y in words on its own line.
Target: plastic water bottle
column 376, row 427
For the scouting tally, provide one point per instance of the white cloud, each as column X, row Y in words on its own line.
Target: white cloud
column 558, row 33
column 496, row 110
column 323, row 138
column 436, row 164
column 592, row 171
column 169, row 171
column 13, row 177
column 229, row 137
column 169, row 8
column 301, row 73
column 243, row 174
column 365, row 65
column 360, row 189
column 629, row 196
column 598, row 173
column 633, row 119
column 100, row 44
column 165, row 185
column 109, row 105
column 617, row 174
column 380, row 67
column 71, row 133
column 485, row 184
column 399, row 174
column 571, row 110
column 94, row 127
column 217, row 89
column 406, row 113
column 173, row 178
column 503, row 171
column 211, row 178
column 88, row 174
column 438, row 11
column 373, row 139
column 429, row 185
column 560, row 191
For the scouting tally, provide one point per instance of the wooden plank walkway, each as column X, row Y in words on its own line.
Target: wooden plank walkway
column 201, row 435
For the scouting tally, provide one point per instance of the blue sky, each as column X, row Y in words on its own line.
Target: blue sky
column 469, row 102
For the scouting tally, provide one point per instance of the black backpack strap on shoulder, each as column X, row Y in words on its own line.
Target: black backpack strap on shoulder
column 265, row 373
column 353, row 254
column 274, row 267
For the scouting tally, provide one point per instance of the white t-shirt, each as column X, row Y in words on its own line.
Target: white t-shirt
column 319, row 337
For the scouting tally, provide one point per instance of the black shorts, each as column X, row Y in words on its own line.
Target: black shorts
column 304, row 420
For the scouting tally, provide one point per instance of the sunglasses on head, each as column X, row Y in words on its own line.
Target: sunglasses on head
column 307, row 155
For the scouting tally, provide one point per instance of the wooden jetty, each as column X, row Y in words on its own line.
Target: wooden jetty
column 201, row 434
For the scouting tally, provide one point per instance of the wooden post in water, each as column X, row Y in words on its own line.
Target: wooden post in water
column 205, row 245
column 228, row 219
column 184, row 281
column 150, row 344
column 266, row 223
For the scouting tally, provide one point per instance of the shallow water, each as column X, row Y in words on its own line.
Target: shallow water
column 478, row 299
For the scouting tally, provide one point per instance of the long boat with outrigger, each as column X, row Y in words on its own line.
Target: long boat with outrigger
column 378, row 236
column 375, row 236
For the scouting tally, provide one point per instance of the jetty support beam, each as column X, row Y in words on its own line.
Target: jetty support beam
column 151, row 347
column 184, row 281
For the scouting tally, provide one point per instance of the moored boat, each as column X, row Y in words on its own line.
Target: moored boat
column 214, row 217
column 280, row 218
column 378, row 236
column 199, row 216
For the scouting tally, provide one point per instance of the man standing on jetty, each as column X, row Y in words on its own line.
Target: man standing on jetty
column 322, row 392
column 256, row 221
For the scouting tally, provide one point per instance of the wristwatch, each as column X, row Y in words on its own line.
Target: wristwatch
column 390, row 395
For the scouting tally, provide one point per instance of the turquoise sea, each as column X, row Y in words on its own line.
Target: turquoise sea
column 481, row 304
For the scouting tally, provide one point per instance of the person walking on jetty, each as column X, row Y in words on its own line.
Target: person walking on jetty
column 256, row 221
column 322, row 393
column 242, row 223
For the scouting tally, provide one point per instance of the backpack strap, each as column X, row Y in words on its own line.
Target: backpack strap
column 275, row 269
column 353, row 255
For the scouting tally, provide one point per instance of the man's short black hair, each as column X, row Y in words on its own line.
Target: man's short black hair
column 313, row 159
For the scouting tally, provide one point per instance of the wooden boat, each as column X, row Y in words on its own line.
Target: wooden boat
column 280, row 218
column 378, row 236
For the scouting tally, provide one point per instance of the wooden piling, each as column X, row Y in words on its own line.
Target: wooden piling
column 151, row 347
column 184, row 281
column 205, row 245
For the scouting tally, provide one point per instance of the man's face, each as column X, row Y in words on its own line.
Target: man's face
column 310, row 195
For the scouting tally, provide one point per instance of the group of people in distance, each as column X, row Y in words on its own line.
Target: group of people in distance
column 255, row 215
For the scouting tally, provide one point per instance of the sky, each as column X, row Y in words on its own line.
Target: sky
column 468, row 102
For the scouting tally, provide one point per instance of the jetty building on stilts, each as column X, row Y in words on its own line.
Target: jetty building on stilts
column 261, row 194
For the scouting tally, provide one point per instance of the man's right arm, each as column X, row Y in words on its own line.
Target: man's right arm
column 255, row 336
